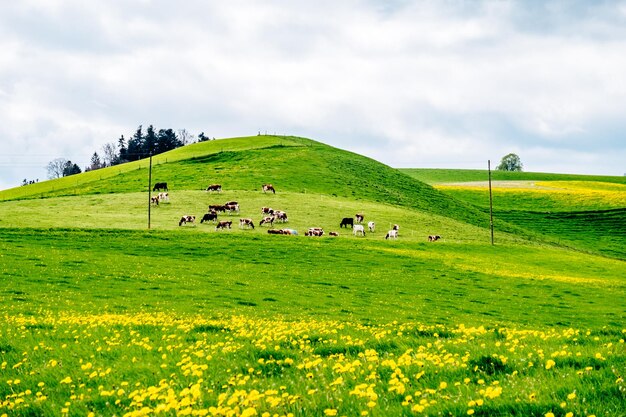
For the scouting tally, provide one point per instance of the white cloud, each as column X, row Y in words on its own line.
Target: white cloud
column 408, row 83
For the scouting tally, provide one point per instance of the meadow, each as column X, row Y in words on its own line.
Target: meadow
column 101, row 317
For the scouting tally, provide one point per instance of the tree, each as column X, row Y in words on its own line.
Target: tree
column 95, row 162
column 510, row 162
column 136, row 145
column 202, row 138
column 123, row 154
column 166, row 141
column 70, row 169
column 55, row 167
column 109, row 155
column 185, row 137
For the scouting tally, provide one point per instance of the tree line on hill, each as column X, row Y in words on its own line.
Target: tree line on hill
column 140, row 145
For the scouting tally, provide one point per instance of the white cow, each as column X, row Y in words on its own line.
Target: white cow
column 371, row 226
column 392, row 234
column 358, row 228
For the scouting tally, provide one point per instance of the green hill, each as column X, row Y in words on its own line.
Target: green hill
column 292, row 164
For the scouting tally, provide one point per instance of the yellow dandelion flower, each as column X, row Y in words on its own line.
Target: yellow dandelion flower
column 443, row 385
column 330, row 412
column 571, row 396
column 550, row 414
column 470, row 411
column 66, row 380
column 550, row 363
column 570, row 414
column 248, row 412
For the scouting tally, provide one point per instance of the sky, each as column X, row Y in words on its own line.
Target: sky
column 425, row 84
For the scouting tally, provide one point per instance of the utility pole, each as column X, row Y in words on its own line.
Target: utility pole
column 149, row 190
column 490, row 202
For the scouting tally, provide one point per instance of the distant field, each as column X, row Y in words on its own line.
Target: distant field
column 437, row 176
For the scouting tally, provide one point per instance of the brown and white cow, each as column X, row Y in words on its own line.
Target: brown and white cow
column 280, row 216
column 359, row 217
column 214, row 187
column 275, row 231
column 231, row 208
column 268, row 187
column 314, row 231
column 245, row 223
column 333, row 234
column 266, row 220
column 186, row 219
column 164, row 197
column 223, row 224
column 433, row 238
column 267, row 210
column 217, row 207
column 154, row 200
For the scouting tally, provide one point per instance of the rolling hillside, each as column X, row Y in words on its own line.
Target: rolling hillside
column 293, row 165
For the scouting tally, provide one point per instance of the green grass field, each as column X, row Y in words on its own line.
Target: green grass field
column 101, row 317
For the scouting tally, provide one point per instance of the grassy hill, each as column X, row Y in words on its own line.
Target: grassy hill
column 292, row 164
column 99, row 316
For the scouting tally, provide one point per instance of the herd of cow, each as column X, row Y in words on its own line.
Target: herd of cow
column 271, row 216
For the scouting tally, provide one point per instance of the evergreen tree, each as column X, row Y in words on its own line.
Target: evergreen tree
column 123, row 152
column 136, row 145
column 167, row 140
column 95, row 162
column 70, row 169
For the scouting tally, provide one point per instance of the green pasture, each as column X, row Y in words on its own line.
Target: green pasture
column 129, row 322
column 374, row 280
column 101, row 317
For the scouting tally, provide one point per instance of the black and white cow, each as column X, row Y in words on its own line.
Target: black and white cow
column 268, row 187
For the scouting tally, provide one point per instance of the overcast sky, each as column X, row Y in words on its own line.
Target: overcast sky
column 441, row 83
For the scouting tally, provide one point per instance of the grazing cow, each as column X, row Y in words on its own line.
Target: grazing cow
column 346, row 221
column 164, row 197
column 315, row 231
column 160, row 186
column 268, row 187
column 392, row 234
column 267, row 219
column 231, row 203
column 280, row 216
column 359, row 218
column 275, row 232
column 223, row 224
column 433, row 238
column 244, row 223
column 371, row 226
column 267, row 210
column 217, row 207
column 186, row 219
column 358, row 228
column 209, row 217
column 333, row 234
column 154, row 200
column 232, row 208
column 214, row 187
